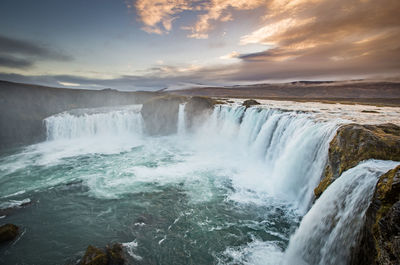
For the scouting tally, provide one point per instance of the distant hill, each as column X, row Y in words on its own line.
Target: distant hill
column 366, row 92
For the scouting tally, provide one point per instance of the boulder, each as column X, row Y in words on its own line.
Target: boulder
column 8, row 232
column 250, row 102
column 109, row 256
column 379, row 240
column 354, row 143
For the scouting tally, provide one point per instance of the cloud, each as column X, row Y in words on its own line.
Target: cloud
column 219, row 11
column 308, row 38
column 303, row 39
column 231, row 55
column 16, row 53
column 12, row 62
column 158, row 15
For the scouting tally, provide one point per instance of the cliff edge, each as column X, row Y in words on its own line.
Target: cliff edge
column 354, row 143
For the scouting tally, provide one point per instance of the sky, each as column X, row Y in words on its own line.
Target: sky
column 156, row 44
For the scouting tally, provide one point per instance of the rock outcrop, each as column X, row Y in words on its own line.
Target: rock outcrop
column 8, row 232
column 354, row 143
column 379, row 240
column 250, row 102
column 109, row 256
column 160, row 114
column 196, row 107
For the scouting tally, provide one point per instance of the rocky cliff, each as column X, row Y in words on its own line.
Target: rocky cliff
column 379, row 240
column 160, row 114
column 354, row 143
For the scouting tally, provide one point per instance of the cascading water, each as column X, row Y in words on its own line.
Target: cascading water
column 114, row 122
column 181, row 119
column 291, row 148
column 328, row 231
column 231, row 191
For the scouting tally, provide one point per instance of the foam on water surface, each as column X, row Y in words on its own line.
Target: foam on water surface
column 230, row 191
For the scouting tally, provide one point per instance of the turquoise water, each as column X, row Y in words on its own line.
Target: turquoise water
column 174, row 209
column 230, row 191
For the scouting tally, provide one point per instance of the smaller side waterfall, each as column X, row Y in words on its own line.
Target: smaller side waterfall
column 181, row 127
column 328, row 231
column 88, row 123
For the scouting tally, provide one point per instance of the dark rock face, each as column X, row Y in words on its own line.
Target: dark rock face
column 379, row 240
column 250, row 102
column 160, row 114
column 196, row 107
column 8, row 232
column 354, row 143
column 109, row 256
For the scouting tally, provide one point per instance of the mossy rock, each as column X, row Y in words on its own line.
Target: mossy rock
column 109, row 256
column 94, row 256
column 8, row 232
column 354, row 143
column 250, row 102
column 115, row 254
column 379, row 240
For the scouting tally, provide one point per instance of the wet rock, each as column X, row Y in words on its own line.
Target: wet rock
column 354, row 143
column 250, row 102
column 8, row 232
column 379, row 240
column 115, row 255
column 369, row 111
column 196, row 107
column 109, row 256
column 160, row 114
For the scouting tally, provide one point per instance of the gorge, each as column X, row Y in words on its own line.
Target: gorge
column 193, row 180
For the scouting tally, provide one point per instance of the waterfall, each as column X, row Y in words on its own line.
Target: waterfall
column 181, row 119
column 291, row 146
column 84, row 123
column 328, row 231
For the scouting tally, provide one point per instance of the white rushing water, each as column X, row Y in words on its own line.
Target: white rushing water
column 181, row 119
column 265, row 159
column 328, row 231
column 115, row 122
column 286, row 151
column 268, row 152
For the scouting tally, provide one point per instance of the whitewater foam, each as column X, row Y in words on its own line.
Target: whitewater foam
column 329, row 230
column 87, row 124
column 181, row 120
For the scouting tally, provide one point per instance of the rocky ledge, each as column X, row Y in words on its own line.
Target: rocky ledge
column 379, row 240
column 8, row 232
column 250, row 102
column 354, row 143
column 109, row 256
column 160, row 114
